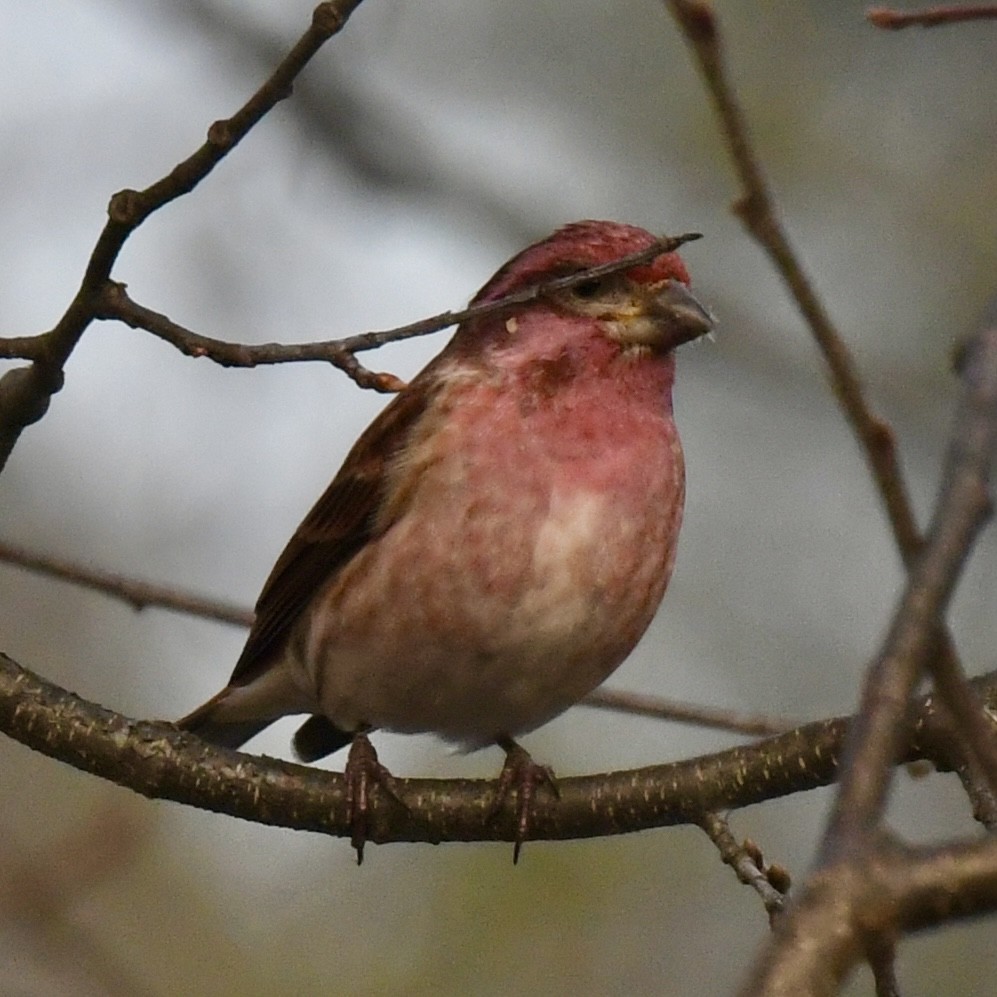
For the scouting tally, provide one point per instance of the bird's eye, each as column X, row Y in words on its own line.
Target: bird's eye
column 589, row 289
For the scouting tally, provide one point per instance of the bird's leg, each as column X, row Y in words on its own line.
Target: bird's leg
column 521, row 774
column 363, row 770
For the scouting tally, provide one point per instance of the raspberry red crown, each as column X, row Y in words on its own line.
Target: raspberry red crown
column 577, row 246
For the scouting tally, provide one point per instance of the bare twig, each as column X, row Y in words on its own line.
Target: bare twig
column 22, row 347
column 115, row 303
column 756, row 209
column 930, row 17
column 747, row 862
column 25, row 392
column 735, row 721
column 951, row 753
column 137, row 593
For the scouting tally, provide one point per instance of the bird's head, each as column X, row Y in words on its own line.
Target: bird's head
column 648, row 308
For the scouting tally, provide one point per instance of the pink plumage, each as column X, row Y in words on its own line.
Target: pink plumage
column 500, row 537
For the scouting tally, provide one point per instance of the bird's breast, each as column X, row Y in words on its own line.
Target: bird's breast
column 523, row 566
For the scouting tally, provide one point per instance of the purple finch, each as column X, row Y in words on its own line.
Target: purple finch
column 499, row 538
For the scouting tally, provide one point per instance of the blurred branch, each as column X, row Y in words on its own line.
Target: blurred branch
column 25, row 392
column 963, row 507
column 882, row 956
column 930, row 17
column 137, row 593
column 116, row 304
column 159, row 761
column 854, row 846
column 757, row 211
column 141, row 594
column 734, row 721
column 894, row 889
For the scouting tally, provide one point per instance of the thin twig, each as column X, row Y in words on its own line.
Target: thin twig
column 747, row 863
column 756, row 209
column 25, row 392
column 137, row 593
column 735, row 721
column 930, row 17
column 115, row 303
column 952, row 754
column 22, row 347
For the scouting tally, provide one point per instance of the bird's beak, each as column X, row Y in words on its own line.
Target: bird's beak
column 665, row 319
column 680, row 315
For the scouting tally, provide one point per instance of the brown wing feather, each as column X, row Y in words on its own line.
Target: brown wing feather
column 339, row 524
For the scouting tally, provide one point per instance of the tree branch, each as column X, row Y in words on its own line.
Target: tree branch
column 25, row 392
column 114, row 303
column 801, row 961
column 659, row 708
column 771, row 884
column 931, row 17
column 137, row 593
column 756, row 209
column 159, row 761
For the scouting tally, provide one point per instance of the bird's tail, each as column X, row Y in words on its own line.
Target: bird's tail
column 209, row 723
column 221, row 724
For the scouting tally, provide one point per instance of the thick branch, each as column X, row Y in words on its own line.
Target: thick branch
column 157, row 760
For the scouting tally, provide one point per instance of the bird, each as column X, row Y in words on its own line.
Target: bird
column 499, row 538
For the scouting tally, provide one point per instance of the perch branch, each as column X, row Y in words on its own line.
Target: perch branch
column 159, row 761
column 930, row 17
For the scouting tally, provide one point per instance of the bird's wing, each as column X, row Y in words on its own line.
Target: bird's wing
column 340, row 523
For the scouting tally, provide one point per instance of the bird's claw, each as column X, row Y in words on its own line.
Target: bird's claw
column 520, row 774
column 362, row 772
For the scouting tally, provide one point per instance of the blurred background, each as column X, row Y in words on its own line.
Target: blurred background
column 424, row 146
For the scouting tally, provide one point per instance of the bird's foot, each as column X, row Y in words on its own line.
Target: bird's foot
column 362, row 772
column 520, row 774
